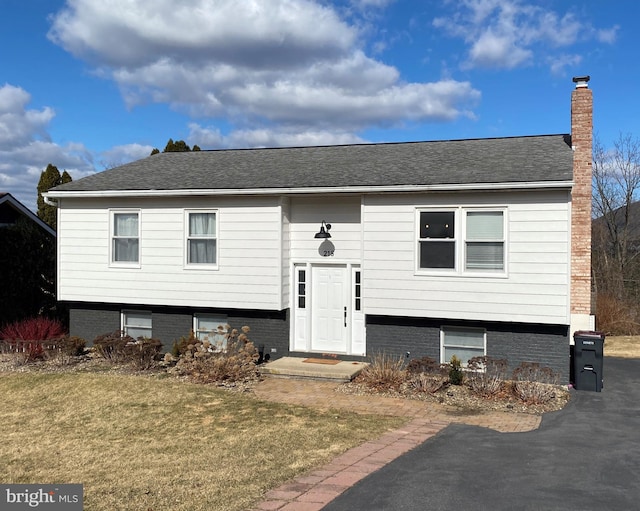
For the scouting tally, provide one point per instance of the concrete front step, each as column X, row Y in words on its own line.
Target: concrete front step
column 296, row 367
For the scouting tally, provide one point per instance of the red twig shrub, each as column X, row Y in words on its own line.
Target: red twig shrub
column 33, row 329
column 26, row 337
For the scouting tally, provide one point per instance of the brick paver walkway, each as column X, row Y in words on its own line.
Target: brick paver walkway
column 314, row 490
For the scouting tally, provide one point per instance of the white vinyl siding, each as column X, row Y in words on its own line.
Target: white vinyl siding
column 535, row 289
column 249, row 238
column 343, row 213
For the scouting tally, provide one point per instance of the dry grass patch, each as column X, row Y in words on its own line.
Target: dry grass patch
column 625, row 346
column 140, row 442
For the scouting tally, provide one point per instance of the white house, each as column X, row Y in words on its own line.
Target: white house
column 433, row 248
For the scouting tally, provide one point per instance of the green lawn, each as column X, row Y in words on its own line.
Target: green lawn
column 150, row 443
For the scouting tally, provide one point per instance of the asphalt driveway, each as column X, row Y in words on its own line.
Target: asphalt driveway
column 584, row 457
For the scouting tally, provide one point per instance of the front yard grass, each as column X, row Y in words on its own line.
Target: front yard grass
column 148, row 443
column 625, row 346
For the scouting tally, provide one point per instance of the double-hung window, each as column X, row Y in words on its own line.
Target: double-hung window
column 461, row 240
column 484, row 241
column 202, row 243
column 437, row 240
column 125, row 237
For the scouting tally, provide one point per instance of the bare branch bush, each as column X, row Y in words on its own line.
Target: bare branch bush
column 486, row 375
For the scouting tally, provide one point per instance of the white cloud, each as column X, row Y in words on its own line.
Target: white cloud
column 560, row 62
column 491, row 50
column 512, row 33
column 295, row 63
column 608, row 35
column 212, row 138
column 19, row 125
column 119, row 155
column 367, row 4
column 26, row 148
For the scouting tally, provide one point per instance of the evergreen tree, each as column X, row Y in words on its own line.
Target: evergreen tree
column 179, row 146
column 49, row 178
column 27, row 259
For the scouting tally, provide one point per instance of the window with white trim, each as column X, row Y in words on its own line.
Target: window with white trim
column 464, row 343
column 461, row 240
column 302, row 289
column 125, row 237
column 437, row 240
column 211, row 328
column 484, row 241
column 202, row 243
column 136, row 323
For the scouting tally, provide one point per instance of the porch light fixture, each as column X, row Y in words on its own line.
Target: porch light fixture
column 324, row 233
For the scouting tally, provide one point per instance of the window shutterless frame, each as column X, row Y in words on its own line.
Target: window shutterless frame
column 484, row 240
column 465, row 343
column 124, row 236
column 136, row 323
column 213, row 329
column 201, row 238
column 468, row 241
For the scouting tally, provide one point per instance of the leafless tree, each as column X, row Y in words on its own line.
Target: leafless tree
column 616, row 229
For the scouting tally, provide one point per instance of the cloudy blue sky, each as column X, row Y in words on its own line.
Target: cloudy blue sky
column 90, row 84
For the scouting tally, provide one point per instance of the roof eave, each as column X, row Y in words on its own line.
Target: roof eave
column 313, row 190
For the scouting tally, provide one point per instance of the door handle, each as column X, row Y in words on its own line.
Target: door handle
column 345, row 316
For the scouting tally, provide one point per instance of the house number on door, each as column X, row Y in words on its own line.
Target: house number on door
column 327, row 253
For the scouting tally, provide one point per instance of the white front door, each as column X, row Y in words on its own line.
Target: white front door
column 330, row 309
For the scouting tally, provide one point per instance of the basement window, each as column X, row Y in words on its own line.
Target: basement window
column 464, row 343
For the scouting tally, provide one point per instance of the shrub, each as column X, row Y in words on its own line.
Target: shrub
column 533, row 383
column 118, row 348
column 425, row 365
column 142, row 353
column 205, row 363
column 39, row 328
column 65, row 349
column 383, row 372
column 485, row 375
column 456, row 375
column 25, row 338
column 427, row 382
column 111, row 346
column 616, row 316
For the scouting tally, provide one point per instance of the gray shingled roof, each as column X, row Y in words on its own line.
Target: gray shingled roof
column 545, row 158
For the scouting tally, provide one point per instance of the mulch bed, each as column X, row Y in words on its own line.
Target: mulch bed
column 463, row 399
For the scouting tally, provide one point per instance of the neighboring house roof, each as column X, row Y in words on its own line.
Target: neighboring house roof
column 11, row 208
column 519, row 161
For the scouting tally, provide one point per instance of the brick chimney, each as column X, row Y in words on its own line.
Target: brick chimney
column 582, row 142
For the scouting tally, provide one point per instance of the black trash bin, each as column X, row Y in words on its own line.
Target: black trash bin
column 588, row 354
